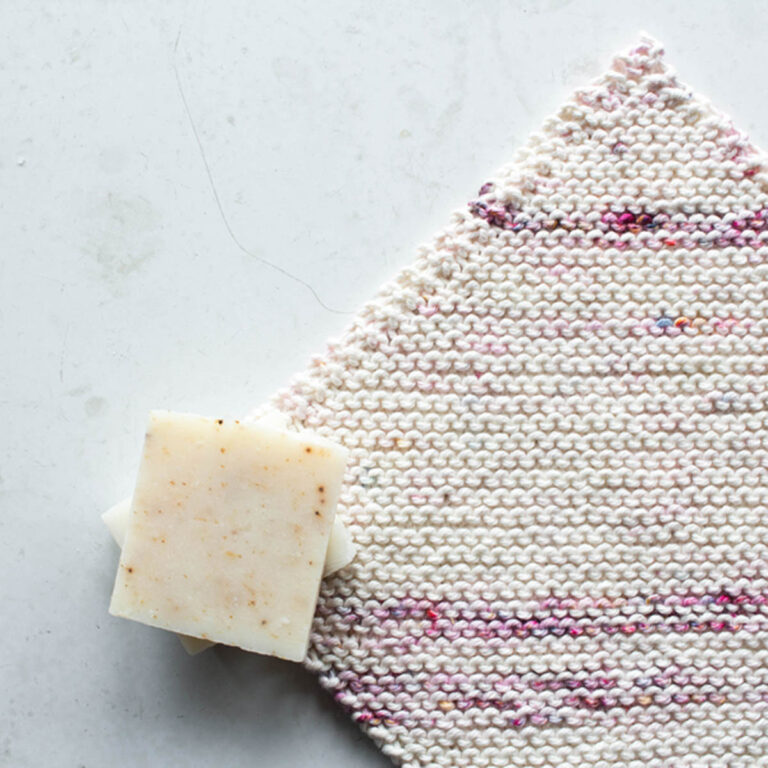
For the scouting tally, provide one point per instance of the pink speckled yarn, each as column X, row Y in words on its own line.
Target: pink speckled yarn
column 559, row 456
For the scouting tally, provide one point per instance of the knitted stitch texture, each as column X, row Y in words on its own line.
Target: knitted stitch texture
column 558, row 450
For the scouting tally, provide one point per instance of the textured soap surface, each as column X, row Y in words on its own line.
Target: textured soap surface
column 340, row 552
column 116, row 518
column 228, row 532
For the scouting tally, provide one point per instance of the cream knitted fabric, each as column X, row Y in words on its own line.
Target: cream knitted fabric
column 559, row 446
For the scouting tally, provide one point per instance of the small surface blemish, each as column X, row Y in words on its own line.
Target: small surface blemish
column 94, row 405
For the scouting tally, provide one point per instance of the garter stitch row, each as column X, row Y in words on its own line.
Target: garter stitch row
column 558, row 453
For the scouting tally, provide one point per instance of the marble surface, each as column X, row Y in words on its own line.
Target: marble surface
column 194, row 197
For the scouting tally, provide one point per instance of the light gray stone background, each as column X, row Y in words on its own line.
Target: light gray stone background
column 333, row 138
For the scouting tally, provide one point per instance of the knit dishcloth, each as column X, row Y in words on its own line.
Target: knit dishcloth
column 558, row 475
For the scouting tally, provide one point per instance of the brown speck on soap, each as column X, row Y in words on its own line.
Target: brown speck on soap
column 263, row 622
column 321, row 489
column 219, row 421
column 129, row 569
column 317, row 513
column 308, row 449
column 223, row 450
column 251, row 602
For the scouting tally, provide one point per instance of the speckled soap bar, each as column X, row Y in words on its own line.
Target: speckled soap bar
column 340, row 552
column 228, row 532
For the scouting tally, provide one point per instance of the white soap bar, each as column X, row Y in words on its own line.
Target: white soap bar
column 228, row 532
column 116, row 519
column 341, row 549
column 341, row 552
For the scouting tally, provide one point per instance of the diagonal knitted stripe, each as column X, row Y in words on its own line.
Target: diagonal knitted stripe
column 559, row 455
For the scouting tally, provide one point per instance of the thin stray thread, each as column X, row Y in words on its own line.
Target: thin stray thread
column 216, row 197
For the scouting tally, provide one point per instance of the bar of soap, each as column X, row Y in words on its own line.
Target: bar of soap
column 228, row 532
column 116, row 519
column 341, row 551
column 341, row 548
